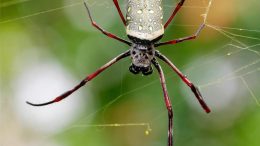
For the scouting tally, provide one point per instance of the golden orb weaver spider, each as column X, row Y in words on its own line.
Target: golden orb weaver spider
column 144, row 28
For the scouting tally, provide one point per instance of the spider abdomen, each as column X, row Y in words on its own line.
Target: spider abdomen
column 144, row 19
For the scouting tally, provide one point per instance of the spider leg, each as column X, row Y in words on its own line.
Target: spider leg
column 182, row 39
column 177, row 8
column 119, row 11
column 167, row 101
column 193, row 88
column 84, row 81
column 104, row 31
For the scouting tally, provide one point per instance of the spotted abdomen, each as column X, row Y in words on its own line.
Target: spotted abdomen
column 144, row 19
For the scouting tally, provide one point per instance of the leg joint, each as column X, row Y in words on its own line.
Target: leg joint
column 170, row 112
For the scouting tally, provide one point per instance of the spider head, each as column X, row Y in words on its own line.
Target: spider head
column 141, row 56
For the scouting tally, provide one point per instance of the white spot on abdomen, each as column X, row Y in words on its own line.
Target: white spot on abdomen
column 151, row 11
column 140, row 27
column 139, row 11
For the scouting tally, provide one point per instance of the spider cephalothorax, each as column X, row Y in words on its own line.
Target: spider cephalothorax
column 142, row 56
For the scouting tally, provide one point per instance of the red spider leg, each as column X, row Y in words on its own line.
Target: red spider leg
column 104, row 31
column 119, row 11
column 182, row 39
column 177, row 8
column 194, row 89
column 84, row 81
column 167, row 101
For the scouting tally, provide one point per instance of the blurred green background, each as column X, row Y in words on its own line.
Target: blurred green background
column 47, row 46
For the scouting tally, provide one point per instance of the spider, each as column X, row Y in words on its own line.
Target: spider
column 144, row 28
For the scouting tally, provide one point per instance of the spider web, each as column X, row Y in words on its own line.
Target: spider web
column 239, row 48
